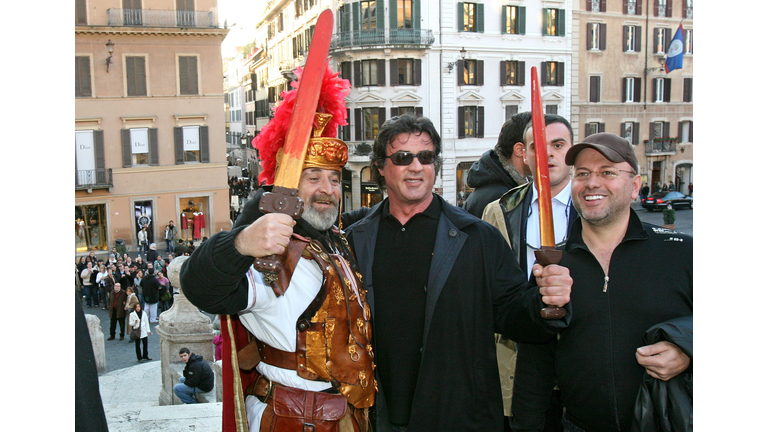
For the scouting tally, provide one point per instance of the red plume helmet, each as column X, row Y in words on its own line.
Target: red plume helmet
column 271, row 138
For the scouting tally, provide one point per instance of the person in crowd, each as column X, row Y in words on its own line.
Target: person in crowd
column 143, row 239
column 198, row 377
column 150, row 287
column 166, row 295
column 644, row 192
column 140, row 263
column 131, row 300
column 170, row 236
column 501, row 168
column 600, row 360
column 319, row 288
column 139, row 320
column 438, row 306
column 138, row 276
column 81, row 265
column 181, row 248
column 116, row 302
column 516, row 215
column 159, row 264
column 90, row 287
column 152, row 254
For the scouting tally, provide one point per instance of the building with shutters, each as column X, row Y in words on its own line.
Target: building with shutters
column 620, row 84
column 464, row 65
column 149, row 121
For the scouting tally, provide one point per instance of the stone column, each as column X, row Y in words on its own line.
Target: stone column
column 183, row 325
column 97, row 341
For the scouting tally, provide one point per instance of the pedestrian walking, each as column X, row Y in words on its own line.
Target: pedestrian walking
column 140, row 321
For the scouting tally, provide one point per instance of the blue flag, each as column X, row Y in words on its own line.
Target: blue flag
column 675, row 52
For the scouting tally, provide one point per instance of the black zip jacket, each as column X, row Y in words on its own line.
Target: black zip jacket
column 198, row 374
column 490, row 181
column 593, row 361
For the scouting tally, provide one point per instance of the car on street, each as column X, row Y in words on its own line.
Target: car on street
column 660, row 201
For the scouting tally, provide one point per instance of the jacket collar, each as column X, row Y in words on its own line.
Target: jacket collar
column 635, row 231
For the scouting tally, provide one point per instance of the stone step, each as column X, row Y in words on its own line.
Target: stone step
column 170, row 418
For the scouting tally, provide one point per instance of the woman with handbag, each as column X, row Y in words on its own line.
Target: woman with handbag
column 131, row 300
column 139, row 323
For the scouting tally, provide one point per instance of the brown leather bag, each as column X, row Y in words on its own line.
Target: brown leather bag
column 299, row 410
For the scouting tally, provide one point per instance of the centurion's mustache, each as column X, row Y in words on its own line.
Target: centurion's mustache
column 324, row 198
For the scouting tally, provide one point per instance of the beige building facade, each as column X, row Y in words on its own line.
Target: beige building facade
column 620, row 85
column 149, row 122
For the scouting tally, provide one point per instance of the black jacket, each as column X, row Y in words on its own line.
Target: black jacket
column 667, row 406
column 150, row 288
column 198, row 374
column 593, row 361
column 489, row 179
column 475, row 289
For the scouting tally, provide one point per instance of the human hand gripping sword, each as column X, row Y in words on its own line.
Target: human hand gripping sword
column 548, row 253
column 284, row 197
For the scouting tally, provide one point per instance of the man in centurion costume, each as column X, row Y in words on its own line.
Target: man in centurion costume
column 297, row 351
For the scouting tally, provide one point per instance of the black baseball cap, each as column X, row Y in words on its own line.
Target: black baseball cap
column 612, row 146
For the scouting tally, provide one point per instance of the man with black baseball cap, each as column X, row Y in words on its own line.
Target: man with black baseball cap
column 595, row 361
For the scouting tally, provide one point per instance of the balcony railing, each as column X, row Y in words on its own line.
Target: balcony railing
column 359, row 38
column 93, row 179
column 160, row 18
column 664, row 145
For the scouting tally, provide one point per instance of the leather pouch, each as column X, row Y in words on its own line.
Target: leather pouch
column 299, row 410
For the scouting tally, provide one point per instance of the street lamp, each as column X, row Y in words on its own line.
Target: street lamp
column 110, row 50
column 463, row 54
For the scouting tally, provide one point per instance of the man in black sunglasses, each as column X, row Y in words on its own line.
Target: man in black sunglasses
column 440, row 283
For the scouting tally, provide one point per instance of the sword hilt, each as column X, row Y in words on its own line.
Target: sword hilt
column 545, row 256
column 280, row 200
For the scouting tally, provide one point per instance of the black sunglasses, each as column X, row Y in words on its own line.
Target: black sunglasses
column 425, row 157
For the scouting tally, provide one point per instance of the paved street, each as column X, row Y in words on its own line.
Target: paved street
column 683, row 223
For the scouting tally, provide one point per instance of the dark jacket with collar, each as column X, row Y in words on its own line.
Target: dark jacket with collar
column 515, row 205
column 490, row 181
column 198, row 374
column 593, row 360
column 474, row 291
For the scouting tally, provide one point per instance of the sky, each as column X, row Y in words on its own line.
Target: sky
column 241, row 17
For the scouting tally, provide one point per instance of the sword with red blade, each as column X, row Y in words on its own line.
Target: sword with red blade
column 284, row 197
column 548, row 253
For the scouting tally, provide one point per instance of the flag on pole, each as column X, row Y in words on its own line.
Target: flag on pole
column 675, row 52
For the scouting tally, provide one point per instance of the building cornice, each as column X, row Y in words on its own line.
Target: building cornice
column 152, row 31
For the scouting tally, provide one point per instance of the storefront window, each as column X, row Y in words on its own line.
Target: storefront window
column 90, row 228
column 193, row 221
column 370, row 193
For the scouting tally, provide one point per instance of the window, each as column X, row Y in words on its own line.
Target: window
column 688, row 41
column 659, row 129
column 594, row 89
column 662, row 87
column 470, row 72
column 345, row 132
column 398, row 111
column 687, row 89
column 596, row 36
column 188, row 75
column 404, row 14
column 632, row 38
column 553, row 22
column 687, row 9
column 471, row 17
column 631, row 132
column 369, row 72
column 661, row 38
column 471, row 119
column 550, row 109
column 631, row 89
column 191, row 144
column 405, row 72
column 368, row 15
column 633, row 7
column 89, row 157
column 139, row 146
column 370, row 125
column 81, row 12
column 685, row 131
column 595, row 5
column 510, row 110
column 132, row 14
column 512, row 73
column 83, row 76
column 663, row 8
column 552, row 73
column 185, row 13
column 593, row 128
column 135, row 76
column 512, row 19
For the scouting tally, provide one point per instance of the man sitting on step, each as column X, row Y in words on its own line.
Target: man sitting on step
column 198, row 377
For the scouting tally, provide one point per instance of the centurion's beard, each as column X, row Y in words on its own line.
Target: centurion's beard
column 321, row 219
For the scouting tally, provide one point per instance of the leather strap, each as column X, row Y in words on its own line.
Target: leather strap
column 276, row 357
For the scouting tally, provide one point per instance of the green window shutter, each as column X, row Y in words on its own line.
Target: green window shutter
column 154, row 157
column 205, row 154
column 460, row 128
column 460, row 15
column 393, row 72
column 392, row 15
column 98, row 149
column 504, row 19
column 380, row 15
column 521, row 20
column 125, row 135
column 480, row 17
column 356, row 16
column 178, row 145
column 417, row 14
column 417, row 72
column 561, row 22
column 544, row 21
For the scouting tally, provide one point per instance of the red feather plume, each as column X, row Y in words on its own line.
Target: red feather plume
column 271, row 138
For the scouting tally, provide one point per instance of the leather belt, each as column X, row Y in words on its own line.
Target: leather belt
column 276, row 357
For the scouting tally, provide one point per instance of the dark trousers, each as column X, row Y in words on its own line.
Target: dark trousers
column 139, row 353
column 113, row 325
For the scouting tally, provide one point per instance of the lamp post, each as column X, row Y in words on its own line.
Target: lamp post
column 110, row 50
column 463, row 54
